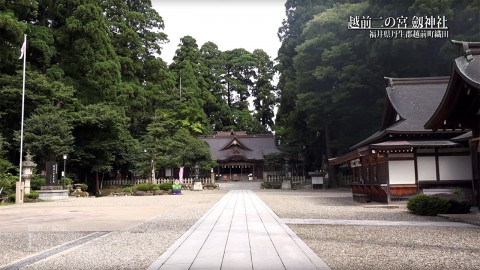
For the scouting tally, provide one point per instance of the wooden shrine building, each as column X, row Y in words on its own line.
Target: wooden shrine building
column 460, row 107
column 404, row 158
column 240, row 156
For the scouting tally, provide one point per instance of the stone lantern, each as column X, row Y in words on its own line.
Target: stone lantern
column 197, row 184
column 287, row 183
column 27, row 167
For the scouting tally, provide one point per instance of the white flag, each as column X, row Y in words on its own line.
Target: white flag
column 180, row 175
column 23, row 50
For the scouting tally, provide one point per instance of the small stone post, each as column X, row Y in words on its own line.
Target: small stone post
column 212, row 176
column 19, row 192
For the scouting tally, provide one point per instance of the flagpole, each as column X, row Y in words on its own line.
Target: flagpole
column 23, row 105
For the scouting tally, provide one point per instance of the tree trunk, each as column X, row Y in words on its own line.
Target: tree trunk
column 97, row 184
column 330, row 169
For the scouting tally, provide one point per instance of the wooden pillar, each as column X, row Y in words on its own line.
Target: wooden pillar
column 475, row 171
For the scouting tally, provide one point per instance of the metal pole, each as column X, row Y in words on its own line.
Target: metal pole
column 64, row 169
column 24, row 54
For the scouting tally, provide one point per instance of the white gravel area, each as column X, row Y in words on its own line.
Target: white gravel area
column 332, row 204
column 135, row 248
column 18, row 245
column 341, row 247
column 364, row 247
column 373, row 247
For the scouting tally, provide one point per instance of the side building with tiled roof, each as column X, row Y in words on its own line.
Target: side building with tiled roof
column 240, row 156
column 404, row 158
column 459, row 108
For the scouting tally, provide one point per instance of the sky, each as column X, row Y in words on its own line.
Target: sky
column 248, row 24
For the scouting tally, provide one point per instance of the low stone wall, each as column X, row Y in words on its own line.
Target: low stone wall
column 53, row 195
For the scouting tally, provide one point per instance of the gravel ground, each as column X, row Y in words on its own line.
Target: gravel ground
column 135, row 248
column 341, row 247
column 18, row 245
column 374, row 247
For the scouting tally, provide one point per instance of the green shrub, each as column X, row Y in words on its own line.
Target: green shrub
column 272, row 185
column 427, row 205
column 8, row 182
column 32, row 196
column 457, row 204
column 166, row 186
column 128, row 190
column 144, row 187
column 458, row 192
column 11, row 197
column 84, row 187
column 68, row 181
column 458, row 207
column 155, row 188
column 37, row 181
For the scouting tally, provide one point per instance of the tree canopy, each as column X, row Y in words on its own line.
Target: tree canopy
column 331, row 84
column 97, row 89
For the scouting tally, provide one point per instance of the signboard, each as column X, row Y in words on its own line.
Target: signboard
column 317, row 180
column 168, row 172
column 52, row 173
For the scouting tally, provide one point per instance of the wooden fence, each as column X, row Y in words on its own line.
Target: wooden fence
column 189, row 181
column 128, row 182
column 278, row 178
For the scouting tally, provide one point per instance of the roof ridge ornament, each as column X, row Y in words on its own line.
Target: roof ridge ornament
column 467, row 48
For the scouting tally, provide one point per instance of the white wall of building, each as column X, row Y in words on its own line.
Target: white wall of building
column 427, row 168
column 455, row 167
column 401, row 171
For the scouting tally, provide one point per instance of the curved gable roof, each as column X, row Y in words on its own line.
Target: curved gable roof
column 410, row 103
column 254, row 147
column 459, row 106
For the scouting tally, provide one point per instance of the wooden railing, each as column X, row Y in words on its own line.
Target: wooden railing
column 374, row 192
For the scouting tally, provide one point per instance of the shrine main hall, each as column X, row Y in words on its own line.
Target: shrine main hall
column 239, row 156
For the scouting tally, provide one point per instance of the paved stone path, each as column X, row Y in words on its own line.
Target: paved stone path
column 239, row 232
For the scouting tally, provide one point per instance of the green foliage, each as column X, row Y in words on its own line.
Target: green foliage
column 84, row 187
column 48, row 134
column 33, row 195
column 458, row 192
column 145, row 187
column 98, row 91
column 329, row 74
column 427, row 205
column 457, row 203
column 8, row 182
column 128, row 190
column 166, row 186
column 37, row 181
column 5, row 165
column 458, row 206
column 275, row 161
column 68, row 181
column 271, row 185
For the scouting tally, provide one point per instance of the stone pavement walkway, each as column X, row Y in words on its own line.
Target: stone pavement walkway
column 239, row 232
